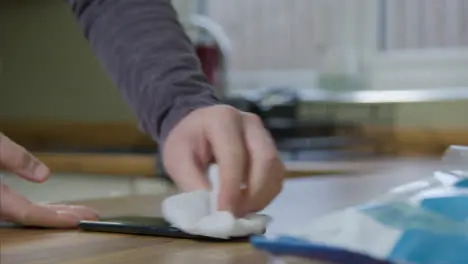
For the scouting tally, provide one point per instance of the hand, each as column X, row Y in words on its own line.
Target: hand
column 239, row 144
column 16, row 208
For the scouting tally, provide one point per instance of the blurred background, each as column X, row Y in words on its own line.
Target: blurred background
column 338, row 83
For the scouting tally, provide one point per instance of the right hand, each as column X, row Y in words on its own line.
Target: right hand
column 17, row 208
column 239, row 144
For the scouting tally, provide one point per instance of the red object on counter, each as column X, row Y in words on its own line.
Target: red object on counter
column 209, row 56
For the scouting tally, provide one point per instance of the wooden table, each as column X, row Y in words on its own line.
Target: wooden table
column 144, row 165
column 301, row 200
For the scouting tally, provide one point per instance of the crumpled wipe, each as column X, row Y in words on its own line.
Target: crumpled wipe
column 195, row 213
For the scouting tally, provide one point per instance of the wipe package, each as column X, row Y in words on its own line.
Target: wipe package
column 419, row 222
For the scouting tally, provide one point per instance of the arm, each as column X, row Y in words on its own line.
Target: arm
column 147, row 54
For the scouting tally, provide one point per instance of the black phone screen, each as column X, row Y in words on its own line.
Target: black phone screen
column 141, row 225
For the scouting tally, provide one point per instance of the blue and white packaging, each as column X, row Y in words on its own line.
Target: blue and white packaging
column 422, row 222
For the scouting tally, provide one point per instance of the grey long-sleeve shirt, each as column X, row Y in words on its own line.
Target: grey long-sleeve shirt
column 149, row 57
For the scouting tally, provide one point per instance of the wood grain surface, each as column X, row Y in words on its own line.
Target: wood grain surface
column 43, row 135
column 145, row 165
column 41, row 246
column 301, row 200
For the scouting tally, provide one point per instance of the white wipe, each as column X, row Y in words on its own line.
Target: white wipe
column 195, row 213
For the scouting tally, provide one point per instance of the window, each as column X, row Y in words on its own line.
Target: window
column 423, row 24
column 392, row 44
column 422, row 44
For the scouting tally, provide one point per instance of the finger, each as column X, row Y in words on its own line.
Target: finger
column 266, row 171
column 83, row 212
column 19, row 161
column 227, row 140
column 16, row 208
column 188, row 173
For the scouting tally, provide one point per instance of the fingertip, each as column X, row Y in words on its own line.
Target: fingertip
column 82, row 212
column 190, row 178
column 86, row 213
column 65, row 219
column 41, row 173
column 231, row 200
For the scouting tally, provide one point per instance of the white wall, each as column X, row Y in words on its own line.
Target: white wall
column 419, row 69
column 184, row 8
column 424, row 45
column 301, row 36
column 413, row 24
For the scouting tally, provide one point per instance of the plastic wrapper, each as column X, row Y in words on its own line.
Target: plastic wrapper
column 420, row 222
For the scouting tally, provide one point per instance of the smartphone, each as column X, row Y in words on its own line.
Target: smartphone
column 141, row 225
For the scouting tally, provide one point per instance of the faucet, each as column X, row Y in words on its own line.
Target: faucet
column 224, row 46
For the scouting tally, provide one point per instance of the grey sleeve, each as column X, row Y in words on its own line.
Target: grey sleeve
column 149, row 57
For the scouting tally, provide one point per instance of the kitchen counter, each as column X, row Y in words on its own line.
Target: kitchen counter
column 301, row 200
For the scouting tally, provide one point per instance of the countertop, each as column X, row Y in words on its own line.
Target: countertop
column 301, row 200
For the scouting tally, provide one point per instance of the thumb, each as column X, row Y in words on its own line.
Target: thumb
column 19, row 161
column 187, row 172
